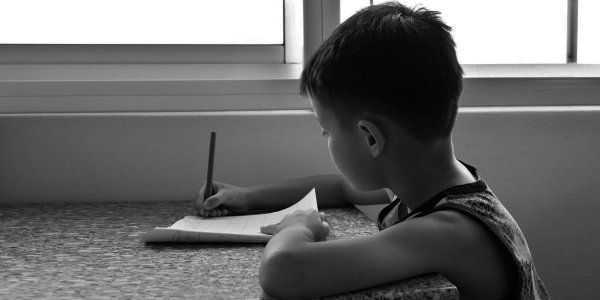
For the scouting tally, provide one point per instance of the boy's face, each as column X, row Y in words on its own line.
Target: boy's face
column 350, row 156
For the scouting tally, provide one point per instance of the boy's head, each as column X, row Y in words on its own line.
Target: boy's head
column 393, row 61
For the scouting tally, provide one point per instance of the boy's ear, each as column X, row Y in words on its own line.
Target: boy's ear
column 372, row 136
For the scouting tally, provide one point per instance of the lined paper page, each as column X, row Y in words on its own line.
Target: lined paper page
column 234, row 229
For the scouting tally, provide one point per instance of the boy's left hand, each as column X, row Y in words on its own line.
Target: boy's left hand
column 310, row 219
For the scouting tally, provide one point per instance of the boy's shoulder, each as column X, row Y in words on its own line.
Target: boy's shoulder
column 458, row 246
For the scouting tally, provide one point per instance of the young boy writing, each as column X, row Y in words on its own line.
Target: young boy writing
column 385, row 89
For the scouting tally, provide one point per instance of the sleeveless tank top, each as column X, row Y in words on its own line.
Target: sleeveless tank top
column 477, row 200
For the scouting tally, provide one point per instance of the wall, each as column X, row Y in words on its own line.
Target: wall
column 543, row 164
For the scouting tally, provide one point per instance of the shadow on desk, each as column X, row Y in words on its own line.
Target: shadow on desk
column 418, row 288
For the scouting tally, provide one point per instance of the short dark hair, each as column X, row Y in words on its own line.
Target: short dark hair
column 393, row 60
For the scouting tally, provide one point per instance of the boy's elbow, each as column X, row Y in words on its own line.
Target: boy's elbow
column 282, row 275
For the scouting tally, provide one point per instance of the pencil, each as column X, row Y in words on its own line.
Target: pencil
column 208, row 189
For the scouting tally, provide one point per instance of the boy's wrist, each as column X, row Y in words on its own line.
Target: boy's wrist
column 250, row 193
column 300, row 232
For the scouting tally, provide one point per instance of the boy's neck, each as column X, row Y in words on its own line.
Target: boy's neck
column 417, row 179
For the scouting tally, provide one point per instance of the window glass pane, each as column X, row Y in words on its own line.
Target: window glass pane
column 141, row 22
column 588, row 46
column 349, row 7
column 504, row 32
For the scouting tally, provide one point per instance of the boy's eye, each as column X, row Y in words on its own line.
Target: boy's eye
column 325, row 133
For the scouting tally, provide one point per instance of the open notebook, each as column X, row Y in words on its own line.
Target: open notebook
column 230, row 229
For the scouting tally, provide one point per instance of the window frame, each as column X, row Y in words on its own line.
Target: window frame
column 41, row 54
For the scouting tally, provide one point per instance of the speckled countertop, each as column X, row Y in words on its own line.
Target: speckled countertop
column 85, row 250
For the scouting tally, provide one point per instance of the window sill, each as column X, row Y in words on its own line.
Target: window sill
column 532, row 71
column 531, row 85
column 209, row 87
column 146, row 79
column 149, row 88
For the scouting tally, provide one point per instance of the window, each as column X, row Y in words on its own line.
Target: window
column 510, row 31
column 156, row 31
column 199, row 76
column 588, row 32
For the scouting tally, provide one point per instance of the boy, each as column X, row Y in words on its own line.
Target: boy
column 385, row 89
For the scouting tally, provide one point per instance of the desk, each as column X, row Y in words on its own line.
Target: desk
column 93, row 250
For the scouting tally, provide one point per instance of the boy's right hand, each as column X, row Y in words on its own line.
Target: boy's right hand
column 227, row 200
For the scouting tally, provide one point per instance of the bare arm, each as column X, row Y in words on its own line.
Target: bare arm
column 297, row 263
column 332, row 191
